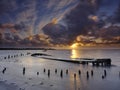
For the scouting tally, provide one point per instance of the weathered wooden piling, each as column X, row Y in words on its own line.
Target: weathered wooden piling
column 11, row 56
column 79, row 72
column 55, row 71
column 37, row 73
column 103, row 62
column 44, row 70
column 87, row 74
column 3, row 71
column 67, row 71
column 75, row 75
column 5, row 57
column 84, row 61
column 24, row 71
column 8, row 56
column 103, row 76
column 93, row 63
column 48, row 73
column 97, row 63
column 91, row 72
column 105, row 73
column 61, row 73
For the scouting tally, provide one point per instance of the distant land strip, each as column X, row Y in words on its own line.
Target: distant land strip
column 27, row 49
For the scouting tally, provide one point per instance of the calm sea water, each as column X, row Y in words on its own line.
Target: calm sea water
column 32, row 81
column 114, row 54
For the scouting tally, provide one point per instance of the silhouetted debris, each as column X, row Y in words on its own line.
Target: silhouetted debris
column 3, row 71
column 40, row 54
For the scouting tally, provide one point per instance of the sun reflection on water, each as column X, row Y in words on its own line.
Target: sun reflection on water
column 27, row 62
column 75, row 53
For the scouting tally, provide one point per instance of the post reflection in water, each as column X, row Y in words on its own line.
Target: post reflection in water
column 75, row 53
column 75, row 84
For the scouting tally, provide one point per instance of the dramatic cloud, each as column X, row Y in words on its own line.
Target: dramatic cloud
column 54, row 22
column 84, row 22
column 57, row 33
column 77, row 20
column 117, row 14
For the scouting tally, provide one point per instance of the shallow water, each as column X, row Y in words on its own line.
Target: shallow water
column 31, row 81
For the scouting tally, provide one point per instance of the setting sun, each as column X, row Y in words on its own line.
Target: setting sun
column 76, row 45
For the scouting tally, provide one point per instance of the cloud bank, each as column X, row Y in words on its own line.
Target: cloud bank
column 59, row 22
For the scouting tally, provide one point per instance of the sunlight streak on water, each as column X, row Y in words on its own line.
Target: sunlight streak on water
column 75, row 53
column 28, row 62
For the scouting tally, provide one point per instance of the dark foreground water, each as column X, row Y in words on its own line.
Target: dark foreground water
column 13, row 78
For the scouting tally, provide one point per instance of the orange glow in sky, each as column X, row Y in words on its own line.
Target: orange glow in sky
column 76, row 45
column 30, row 38
column 54, row 21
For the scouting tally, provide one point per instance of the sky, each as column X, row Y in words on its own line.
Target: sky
column 46, row 23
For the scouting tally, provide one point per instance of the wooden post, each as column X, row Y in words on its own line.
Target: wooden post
column 37, row 73
column 44, row 70
column 4, row 70
column 55, row 71
column 87, row 74
column 103, row 77
column 97, row 64
column 75, row 75
column 93, row 63
column 79, row 72
column 105, row 73
column 8, row 56
column 91, row 72
column 102, row 64
column 67, row 71
column 48, row 73
column 4, row 57
column 61, row 73
column 24, row 71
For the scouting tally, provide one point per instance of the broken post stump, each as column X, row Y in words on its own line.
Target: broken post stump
column 24, row 71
